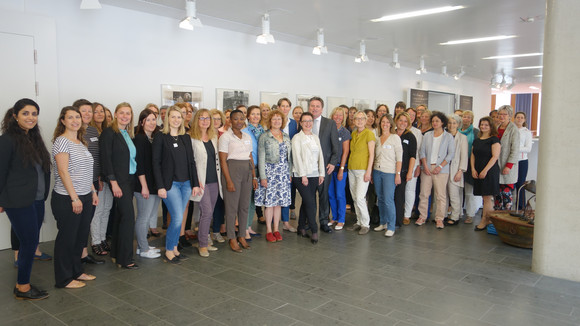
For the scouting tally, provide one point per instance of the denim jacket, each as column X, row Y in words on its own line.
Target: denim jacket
column 269, row 152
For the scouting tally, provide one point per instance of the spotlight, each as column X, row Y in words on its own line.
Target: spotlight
column 265, row 37
column 460, row 74
column 190, row 21
column 90, row 4
column 421, row 69
column 395, row 64
column 444, row 70
column 320, row 48
column 362, row 57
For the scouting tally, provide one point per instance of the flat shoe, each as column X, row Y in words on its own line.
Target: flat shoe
column 32, row 294
column 478, row 229
column 75, row 285
column 43, row 256
column 86, row 277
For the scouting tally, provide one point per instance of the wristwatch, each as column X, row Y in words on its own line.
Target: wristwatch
column 342, row 167
column 399, row 172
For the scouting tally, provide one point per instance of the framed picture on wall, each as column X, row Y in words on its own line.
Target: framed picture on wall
column 390, row 104
column 271, row 97
column 172, row 94
column 333, row 102
column 302, row 100
column 361, row 104
column 230, row 98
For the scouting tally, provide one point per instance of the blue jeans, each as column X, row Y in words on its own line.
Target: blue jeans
column 176, row 201
column 337, row 195
column 385, row 188
column 26, row 223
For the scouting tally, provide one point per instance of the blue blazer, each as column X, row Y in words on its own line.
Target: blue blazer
column 446, row 149
column 292, row 128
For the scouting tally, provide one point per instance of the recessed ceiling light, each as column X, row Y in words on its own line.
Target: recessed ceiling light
column 530, row 67
column 480, row 39
column 417, row 13
column 534, row 87
column 540, row 76
column 513, row 56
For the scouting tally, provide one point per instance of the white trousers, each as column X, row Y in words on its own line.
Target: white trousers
column 358, row 191
column 410, row 196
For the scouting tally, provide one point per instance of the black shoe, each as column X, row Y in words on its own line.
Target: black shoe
column 325, row 228
column 131, row 266
column 314, row 238
column 32, row 294
column 164, row 226
column 106, row 246
column 184, row 242
column 182, row 257
column 92, row 260
column 174, row 261
column 302, row 233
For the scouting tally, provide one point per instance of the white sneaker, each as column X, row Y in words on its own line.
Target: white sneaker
column 150, row 249
column 212, row 248
column 380, row 228
column 389, row 233
column 209, row 240
column 218, row 237
column 150, row 254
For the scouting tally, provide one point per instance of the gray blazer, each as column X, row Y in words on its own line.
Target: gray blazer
column 269, row 152
column 460, row 160
column 510, row 148
column 328, row 135
column 446, row 150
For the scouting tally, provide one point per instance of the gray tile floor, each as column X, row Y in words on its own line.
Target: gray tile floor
column 422, row 276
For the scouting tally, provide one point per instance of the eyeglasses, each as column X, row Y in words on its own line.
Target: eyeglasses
column 307, row 121
column 205, row 118
column 359, row 119
column 217, row 119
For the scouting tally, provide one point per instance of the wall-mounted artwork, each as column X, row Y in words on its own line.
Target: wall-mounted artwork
column 172, row 94
column 231, row 98
column 302, row 100
column 361, row 104
column 333, row 102
column 271, row 97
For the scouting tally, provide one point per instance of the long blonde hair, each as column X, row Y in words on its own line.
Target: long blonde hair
column 195, row 131
column 114, row 123
column 166, row 127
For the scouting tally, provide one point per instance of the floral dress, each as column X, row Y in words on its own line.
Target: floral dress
column 278, row 191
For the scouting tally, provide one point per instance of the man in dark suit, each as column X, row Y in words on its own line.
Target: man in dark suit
column 328, row 135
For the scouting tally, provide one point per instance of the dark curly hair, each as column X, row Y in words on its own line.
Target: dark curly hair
column 29, row 146
column 441, row 117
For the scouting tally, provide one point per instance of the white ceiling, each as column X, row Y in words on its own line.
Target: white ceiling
column 346, row 22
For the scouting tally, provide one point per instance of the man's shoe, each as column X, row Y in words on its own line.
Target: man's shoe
column 32, row 294
column 354, row 227
column 89, row 259
column 363, row 230
column 325, row 228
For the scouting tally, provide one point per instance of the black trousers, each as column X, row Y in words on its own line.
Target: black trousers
column 73, row 231
column 308, row 207
column 323, row 201
column 400, row 199
column 124, row 226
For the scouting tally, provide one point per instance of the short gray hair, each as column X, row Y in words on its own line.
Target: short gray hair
column 507, row 108
column 457, row 119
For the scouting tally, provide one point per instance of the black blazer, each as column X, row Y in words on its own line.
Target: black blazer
column 144, row 160
column 17, row 183
column 114, row 157
column 164, row 162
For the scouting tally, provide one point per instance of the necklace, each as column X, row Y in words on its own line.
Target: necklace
column 175, row 138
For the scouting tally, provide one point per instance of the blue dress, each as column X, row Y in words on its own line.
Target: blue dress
column 278, row 191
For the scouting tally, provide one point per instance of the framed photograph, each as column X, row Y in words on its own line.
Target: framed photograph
column 361, row 104
column 302, row 100
column 230, row 98
column 332, row 102
column 271, row 97
column 172, row 94
column 390, row 104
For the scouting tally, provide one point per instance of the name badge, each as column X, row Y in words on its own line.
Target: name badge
column 94, row 139
column 246, row 142
column 88, row 154
column 339, row 138
column 175, row 145
column 387, row 146
column 406, row 141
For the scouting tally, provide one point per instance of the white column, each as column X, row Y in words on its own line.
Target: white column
column 557, row 228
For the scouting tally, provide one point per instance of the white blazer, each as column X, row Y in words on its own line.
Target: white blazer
column 200, row 156
column 460, row 159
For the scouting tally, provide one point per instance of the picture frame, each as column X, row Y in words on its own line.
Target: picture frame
column 227, row 98
column 333, row 102
column 172, row 94
column 271, row 97
column 361, row 104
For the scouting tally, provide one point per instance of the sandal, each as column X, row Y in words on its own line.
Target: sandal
column 420, row 221
column 99, row 250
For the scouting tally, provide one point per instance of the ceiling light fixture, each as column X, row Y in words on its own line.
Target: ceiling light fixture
column 417, row 13
column 502, row 82
column 90, row 4
column 395, row 64
column 190, row 21
column 539, row 76
column 265, row 37
column 529, row 67
column 513, row 56
column 460, row 74
column 534, row 87
column 421, row 69
column 362, row 57
column 320, row 48
column 480, row 39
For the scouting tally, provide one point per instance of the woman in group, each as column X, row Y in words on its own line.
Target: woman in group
column 274, row 151
column 425, row 120
column 255, row 129
column 226, row 125
column 485, row 169
column 411, row 186
column 308, row 174
column 145, row 188
column 472, row 202
column 371, row 195
column 99, row 117
column 437, row 151
column 360, row 164
column 371, row 119
column 73, row 198
column 108, row 117
column 409, row 143
column 24, row 185
column 218, row 225
column 264, row 111
column 457, row 169
column 237, row 164
column 387, row 172
column 119, row 167
column 204, row 142
column 297, row 113
column 419, row 111
column 350, row 123
column 336, row 190
column 175, row 176
column 381, row 110
column 525, row 148
column 509, row 137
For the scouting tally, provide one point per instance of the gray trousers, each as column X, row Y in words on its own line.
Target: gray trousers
column 237, row 202
column 146, row 210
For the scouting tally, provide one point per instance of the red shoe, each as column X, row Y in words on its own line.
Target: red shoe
column 278, row 236
column 270, row 237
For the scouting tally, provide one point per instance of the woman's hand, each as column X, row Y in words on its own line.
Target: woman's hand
column 305, row 181
column 145, row 192
column 100, row 184
column 320, row 180
column 230, row 186
column 417, row 171
column 117, row 192
column 505, row 171
column 474, row 174
column 162, row 193
column 77, row 206
column 482, row 174
column 409, row 175
column 196, row 191
column 1, row 209
column 397, row 179
column 264, row 183
column 95, row 199
column 367, row 177
column 340, row 174
column 458, row 175
column 255, row 184
column 436, row 170
column 426, row 170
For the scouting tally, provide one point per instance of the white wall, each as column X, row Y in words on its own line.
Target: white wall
column 114, row 55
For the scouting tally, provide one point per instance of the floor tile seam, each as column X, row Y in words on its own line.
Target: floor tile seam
column 361, row 308
column 60, row 312
column 514, row 306
column 480, row 319
column 542, row 300
column 535, row 314
column 317, row 313
column 233, row 286
column 408, row 313
column 250, row 303
column 141, row 312
column 199, row 321
column 32, row 314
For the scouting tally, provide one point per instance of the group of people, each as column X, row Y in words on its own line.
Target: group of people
column 228, row 167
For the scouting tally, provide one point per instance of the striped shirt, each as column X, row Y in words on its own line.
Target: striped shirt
column 80, row 166
column 92, row 139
